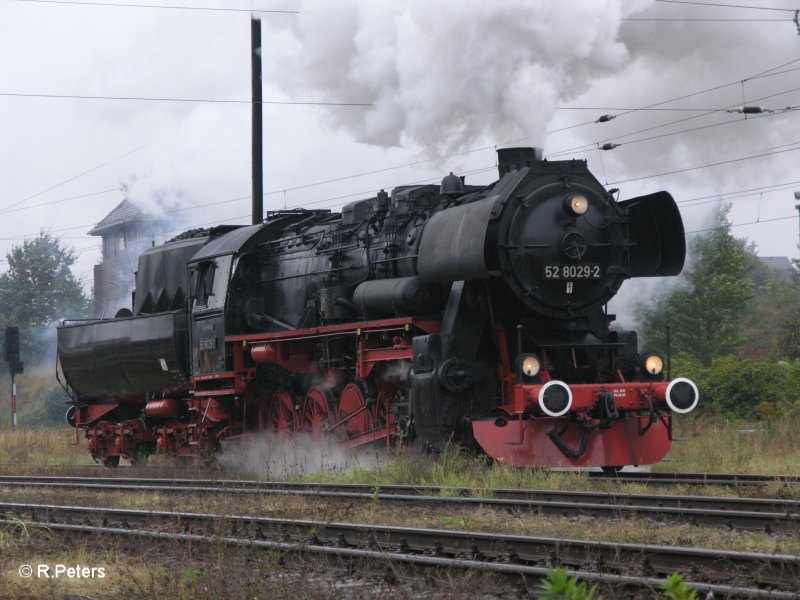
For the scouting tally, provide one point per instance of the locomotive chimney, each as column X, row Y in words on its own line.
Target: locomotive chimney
column 509, row 159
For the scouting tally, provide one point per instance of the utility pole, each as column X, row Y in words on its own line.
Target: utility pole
column 257, row 148
column 797, row 206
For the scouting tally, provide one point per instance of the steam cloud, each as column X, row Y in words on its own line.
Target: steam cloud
column 446, row 74
column 278, row 457
column 452, row 75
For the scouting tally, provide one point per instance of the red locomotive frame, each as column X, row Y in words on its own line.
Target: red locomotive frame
column 225, row 405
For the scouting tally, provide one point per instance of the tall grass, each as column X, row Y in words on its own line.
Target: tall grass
column 41, row 448
column 450, row 467
column 704, row 444
column 715, row 444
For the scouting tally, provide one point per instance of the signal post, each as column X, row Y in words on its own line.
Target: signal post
column 15, row 366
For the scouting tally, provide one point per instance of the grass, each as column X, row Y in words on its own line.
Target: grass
column 147, row 569
column 25, row 449
column 452, row 467
column 209, row 571
column 714, row 444
column 702, row 445
column 632, row 530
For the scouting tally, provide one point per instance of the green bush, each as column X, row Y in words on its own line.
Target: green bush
column 763, row 389
column 684, row 365
column 677, row 589
column 559, row 586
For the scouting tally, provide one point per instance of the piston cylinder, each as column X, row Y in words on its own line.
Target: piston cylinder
column 264, row 354
column 396, row 297
column 162, row 409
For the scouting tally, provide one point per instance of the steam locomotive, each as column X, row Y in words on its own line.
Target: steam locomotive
column 475, row 314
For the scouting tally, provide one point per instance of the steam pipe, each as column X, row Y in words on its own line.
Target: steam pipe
column 669, row 352
column 257, row 158
column 519, row 353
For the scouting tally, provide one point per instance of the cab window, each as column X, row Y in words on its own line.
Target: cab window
column 203, row 283
column 210, row 282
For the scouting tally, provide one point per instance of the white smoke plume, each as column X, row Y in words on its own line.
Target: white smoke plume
column 451, row 75
column 444, row 75
column 157, row 197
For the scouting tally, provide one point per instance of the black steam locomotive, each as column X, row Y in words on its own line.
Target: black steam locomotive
column 453, row 312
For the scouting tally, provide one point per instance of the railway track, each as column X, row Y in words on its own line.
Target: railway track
column 726, row 574
column 723, row 479
column 767, row 515
column 697, row 479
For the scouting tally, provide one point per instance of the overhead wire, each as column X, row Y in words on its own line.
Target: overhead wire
column 189, row 100
column 742, row 224
column 51, row 202
column 592, row 145
column 749, row 7
column 701, row 20
column 589, row 146
column 73, row 178
column 767, row 73
column 676, row 109
column 732, row 195
column 161, row 6
column 707, row 166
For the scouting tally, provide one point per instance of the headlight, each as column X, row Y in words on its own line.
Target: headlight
column 652, row 363
column 576, row 204
column 531, row 365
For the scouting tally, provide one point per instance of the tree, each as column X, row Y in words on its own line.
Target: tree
column 771, row 326
column 705, row 311
column 38, row 290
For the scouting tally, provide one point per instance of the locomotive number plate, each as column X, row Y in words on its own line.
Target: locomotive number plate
column 590, row 271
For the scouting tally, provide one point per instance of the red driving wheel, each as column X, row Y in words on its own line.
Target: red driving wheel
column 352, row 402
column 380, row 412
column 281, row 412
column 316, row 410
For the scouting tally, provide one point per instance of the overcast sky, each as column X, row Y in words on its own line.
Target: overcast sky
column 445, row 82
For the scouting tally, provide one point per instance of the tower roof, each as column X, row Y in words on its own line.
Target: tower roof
column 778, row 263
column 125, row 212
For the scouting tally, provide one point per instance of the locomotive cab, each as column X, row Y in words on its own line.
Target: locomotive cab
column 210, row 277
